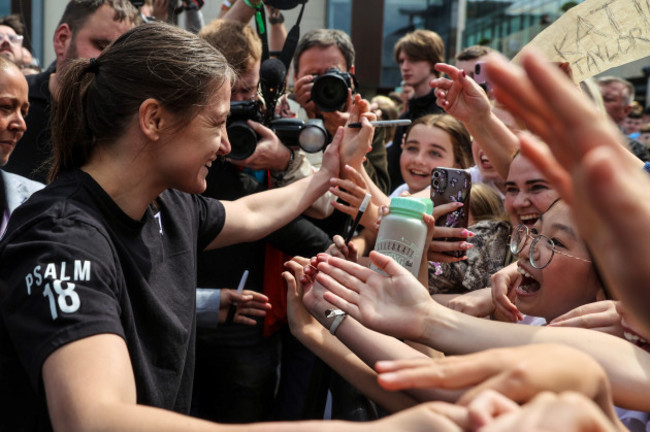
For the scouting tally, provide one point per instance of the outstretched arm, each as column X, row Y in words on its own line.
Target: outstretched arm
column 464, row 99
column 591, row 168
column 254, row 216
column 398, row 305
column 332, row 351
column 518, row 373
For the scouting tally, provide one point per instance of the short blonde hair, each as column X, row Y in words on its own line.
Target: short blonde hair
column 237, row 41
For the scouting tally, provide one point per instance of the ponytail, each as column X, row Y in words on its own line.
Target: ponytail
column 99, row 98
column 71, row 137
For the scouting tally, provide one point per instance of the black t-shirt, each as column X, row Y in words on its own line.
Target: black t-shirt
column 72, row 265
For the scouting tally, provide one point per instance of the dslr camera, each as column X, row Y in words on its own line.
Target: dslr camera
column 311, row 136
column 330, row 90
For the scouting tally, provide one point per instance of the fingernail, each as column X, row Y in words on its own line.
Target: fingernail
column 458, row 204
column 462, row 72
column 465, row 245
column 467, row 233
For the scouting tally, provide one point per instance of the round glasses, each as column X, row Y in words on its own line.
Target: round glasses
column 541, row 249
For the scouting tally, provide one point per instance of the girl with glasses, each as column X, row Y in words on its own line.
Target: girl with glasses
column 556, row 270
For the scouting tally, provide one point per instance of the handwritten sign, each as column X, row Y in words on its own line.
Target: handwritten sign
column 597, row 35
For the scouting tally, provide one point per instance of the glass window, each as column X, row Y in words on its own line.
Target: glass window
column 403, row 16
column 5, row 7
column 338, row 15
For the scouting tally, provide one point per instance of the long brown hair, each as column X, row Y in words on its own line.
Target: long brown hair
column 460, row 138
column 99, row 97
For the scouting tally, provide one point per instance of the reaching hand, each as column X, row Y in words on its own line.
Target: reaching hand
column 430, row 416
column 460, row 96
column 388, row 304
column 352, row 190
column 601, row 316
column 567, row 411
column 340, row 250
column 249, row 304
column 437, row 247
column 160, row 10
column 519, row 373
column 298, row 317
column 332, row 156
column 476, row 303
column 503, row 284
column 590, row 167
column 357, row 142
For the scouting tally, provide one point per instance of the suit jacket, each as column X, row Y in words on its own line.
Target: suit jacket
column 18, row 189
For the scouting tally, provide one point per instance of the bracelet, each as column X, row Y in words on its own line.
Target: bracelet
column 279, row 19
column 252, row 6
column 338, row 316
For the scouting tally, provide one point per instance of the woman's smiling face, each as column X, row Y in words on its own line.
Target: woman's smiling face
column 567, row 281
column 528, row 193
column 425, row 148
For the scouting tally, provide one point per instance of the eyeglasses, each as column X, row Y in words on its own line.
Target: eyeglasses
column 12, row 38
column 541, row 249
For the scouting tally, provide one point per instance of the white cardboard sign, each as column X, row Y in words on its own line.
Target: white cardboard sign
column 597, row 35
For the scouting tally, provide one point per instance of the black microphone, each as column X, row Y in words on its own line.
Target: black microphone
column 273, row 75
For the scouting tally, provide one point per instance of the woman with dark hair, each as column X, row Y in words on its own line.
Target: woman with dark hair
column 98, row 270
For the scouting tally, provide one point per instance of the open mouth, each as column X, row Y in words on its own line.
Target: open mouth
column 528, row 284
column 485, row 162
column 529, row 219
column 418, row 173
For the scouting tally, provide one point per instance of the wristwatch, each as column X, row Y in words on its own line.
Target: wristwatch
column 276, row 19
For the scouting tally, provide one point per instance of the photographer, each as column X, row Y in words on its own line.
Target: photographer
column 330, row 52
column 236, row 365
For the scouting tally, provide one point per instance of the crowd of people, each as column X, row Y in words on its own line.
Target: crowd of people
column 155, row 277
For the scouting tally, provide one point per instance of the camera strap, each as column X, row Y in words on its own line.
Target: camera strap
column 290, row 43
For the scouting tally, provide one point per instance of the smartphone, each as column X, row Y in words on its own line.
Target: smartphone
column 480, row 76
column 451, row 185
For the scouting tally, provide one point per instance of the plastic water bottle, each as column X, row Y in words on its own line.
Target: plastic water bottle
column 402, row 233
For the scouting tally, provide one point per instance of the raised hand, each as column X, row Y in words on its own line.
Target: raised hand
column 341, row 250
column 332, row 156
column 519, row 373
column 567, row 411
column 437, row 247
column 503, row 284
column 353, row 190
column 476, row 303
column 299, row 318
column 357, row 142
column 589, row 165
column 387, row 304
column 459, row 95
column 600, row 316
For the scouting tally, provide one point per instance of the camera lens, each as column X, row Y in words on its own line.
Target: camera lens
column 243, row 140
column 313, row 137
column 330, row 92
